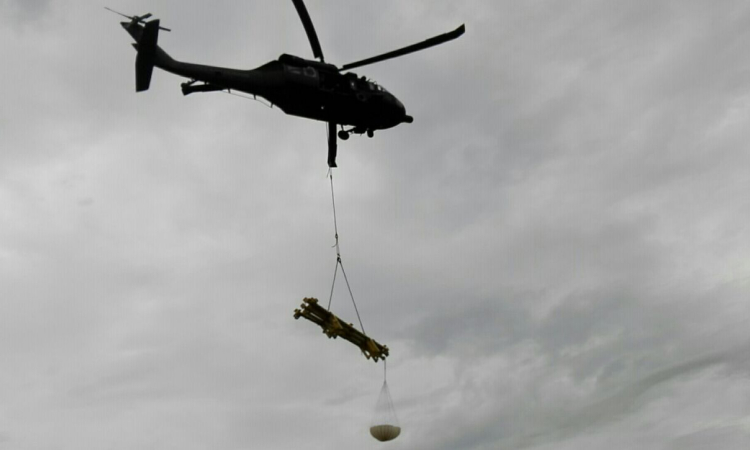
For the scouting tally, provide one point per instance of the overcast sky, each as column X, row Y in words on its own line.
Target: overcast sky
column 556, row 251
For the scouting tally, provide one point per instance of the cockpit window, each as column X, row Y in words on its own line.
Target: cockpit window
column 376, row 87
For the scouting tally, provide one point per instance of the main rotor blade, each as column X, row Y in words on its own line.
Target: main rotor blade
column 437, row 40
column 309, row 28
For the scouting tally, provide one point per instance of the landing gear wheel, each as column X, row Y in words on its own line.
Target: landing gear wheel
column 370, row 133
column 343, row 135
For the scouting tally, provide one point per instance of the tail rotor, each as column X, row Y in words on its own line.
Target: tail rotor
column 136, row 19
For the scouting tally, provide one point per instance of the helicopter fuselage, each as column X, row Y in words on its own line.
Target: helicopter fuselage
column 298, row 86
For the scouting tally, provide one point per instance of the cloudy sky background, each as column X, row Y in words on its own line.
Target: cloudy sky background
column 556, row 250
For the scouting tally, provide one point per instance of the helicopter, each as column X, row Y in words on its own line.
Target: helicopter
column 312, row 89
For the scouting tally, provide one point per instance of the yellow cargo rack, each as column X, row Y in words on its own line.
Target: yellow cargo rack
column 334, row 327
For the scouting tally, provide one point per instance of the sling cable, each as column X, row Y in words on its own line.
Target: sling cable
column 332, row 325
column 384, row 425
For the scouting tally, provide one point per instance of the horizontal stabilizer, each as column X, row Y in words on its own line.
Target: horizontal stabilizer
column 189, row 88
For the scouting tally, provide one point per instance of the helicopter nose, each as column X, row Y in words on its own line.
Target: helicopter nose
column 405, row 118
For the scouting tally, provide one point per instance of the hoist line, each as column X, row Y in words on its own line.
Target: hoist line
column 352, row 296
column 336, row 234
column 335, row 271
column 338, row 259
column 335, row 223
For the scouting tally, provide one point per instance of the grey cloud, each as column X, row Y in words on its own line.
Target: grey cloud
column 548, row 249
column 27, row 10
column 538, row 421
column 726, row 436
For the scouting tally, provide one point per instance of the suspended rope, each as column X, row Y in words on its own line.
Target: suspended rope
column 338, row 258
column 384, row 425
column 336, row 235
column 331, row 324
column 335, row 271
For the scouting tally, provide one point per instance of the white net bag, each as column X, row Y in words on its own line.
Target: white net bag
column 384, row 426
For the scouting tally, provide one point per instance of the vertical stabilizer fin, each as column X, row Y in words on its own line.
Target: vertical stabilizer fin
column 144, row 62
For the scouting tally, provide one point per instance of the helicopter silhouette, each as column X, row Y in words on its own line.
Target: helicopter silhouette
column 299, row 87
